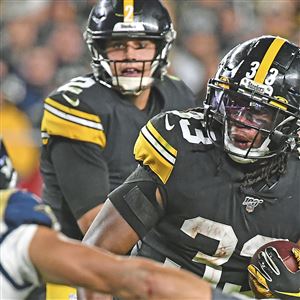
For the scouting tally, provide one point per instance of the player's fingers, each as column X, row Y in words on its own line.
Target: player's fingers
column 253, row 270
column 264, row 265
column 262, row 290
column 273, row 259
column 296, row 252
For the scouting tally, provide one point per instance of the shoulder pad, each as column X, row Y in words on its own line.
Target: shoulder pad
column 154, row 150
column 163, row 136
column 176, row 93
column 66, row 115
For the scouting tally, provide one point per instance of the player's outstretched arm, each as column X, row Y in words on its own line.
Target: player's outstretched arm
column 170, row 283
column 61, row 260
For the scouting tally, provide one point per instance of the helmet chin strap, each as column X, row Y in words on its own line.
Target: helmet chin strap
column 244, row 156
column 132, row 85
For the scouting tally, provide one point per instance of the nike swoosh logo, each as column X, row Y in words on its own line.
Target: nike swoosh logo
column 167, row 124
column 71, row 101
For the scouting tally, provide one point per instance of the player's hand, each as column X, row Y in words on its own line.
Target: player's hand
column 273, row 278
column 26, row 208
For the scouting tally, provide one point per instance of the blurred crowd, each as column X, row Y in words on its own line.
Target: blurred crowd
column 42, row 47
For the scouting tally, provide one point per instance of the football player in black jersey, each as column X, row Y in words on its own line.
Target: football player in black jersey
column 90, row 123
column 215, row 184
column 33, row 251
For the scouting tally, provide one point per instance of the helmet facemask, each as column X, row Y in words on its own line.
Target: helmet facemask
column 253, row 125
column 106, row 69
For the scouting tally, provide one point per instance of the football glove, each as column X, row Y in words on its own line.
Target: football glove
column 26, row 208
column 272, row 278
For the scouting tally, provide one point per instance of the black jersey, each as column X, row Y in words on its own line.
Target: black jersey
column 88, row 132
column 211, row 225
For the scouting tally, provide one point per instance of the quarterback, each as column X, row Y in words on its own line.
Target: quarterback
column 90, row 123
column 215, row 184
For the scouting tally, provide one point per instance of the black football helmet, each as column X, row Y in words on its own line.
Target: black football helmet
column 256, row 81
column 8, row 175
column 134, row 19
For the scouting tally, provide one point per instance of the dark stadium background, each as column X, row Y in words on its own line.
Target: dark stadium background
column 41, row 47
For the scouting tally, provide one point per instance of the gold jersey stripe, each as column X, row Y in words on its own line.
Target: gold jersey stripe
column 161, row 140
column 73, row 111
column 128, row 9
column 158, row 147
column 72, row 118
column 60, row 292
column 268, row 59
column 55, row 125
column 145, row 152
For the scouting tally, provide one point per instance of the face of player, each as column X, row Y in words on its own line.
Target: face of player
column 134, row 57
column 246, row 125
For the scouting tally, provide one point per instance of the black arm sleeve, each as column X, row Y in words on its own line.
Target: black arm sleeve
column 136, row 201
column 82, row 174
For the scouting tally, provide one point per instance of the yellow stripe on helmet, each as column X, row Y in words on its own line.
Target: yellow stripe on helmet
column 128, row 9
column 268, row 59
